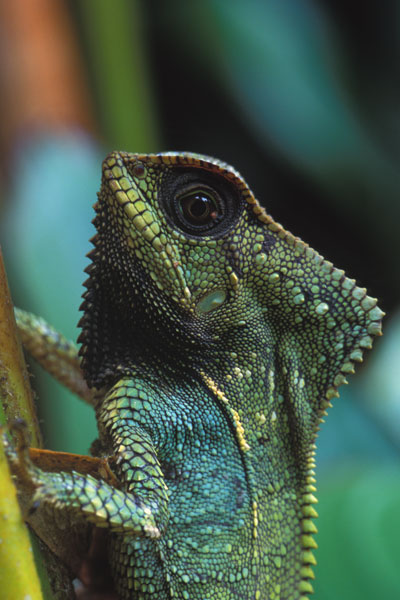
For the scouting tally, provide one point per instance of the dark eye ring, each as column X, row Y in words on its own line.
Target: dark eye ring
column 199, row 207
column 199, row 203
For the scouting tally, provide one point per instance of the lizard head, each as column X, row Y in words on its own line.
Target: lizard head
column 185, row 255
column 165, row 257
column 178, row 216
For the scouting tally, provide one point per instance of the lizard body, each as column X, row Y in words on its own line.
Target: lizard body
column 220, row 339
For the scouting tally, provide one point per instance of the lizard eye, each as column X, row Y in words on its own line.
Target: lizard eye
column 199, row 207
column 199, row 203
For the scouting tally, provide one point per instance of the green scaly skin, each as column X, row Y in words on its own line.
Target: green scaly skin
column 221, row 339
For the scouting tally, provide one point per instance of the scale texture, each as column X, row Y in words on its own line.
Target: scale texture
column 220, row 339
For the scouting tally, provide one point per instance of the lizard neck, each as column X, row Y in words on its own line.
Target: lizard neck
column 266, row 402
column 260, row 375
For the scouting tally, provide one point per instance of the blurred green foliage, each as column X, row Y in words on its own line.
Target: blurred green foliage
column 302, row 97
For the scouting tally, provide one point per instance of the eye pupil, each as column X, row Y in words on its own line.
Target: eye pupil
column 199, row 208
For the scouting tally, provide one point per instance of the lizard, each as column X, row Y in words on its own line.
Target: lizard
column 212, row 343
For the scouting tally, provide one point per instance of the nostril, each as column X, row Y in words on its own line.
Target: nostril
column 139, row 170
